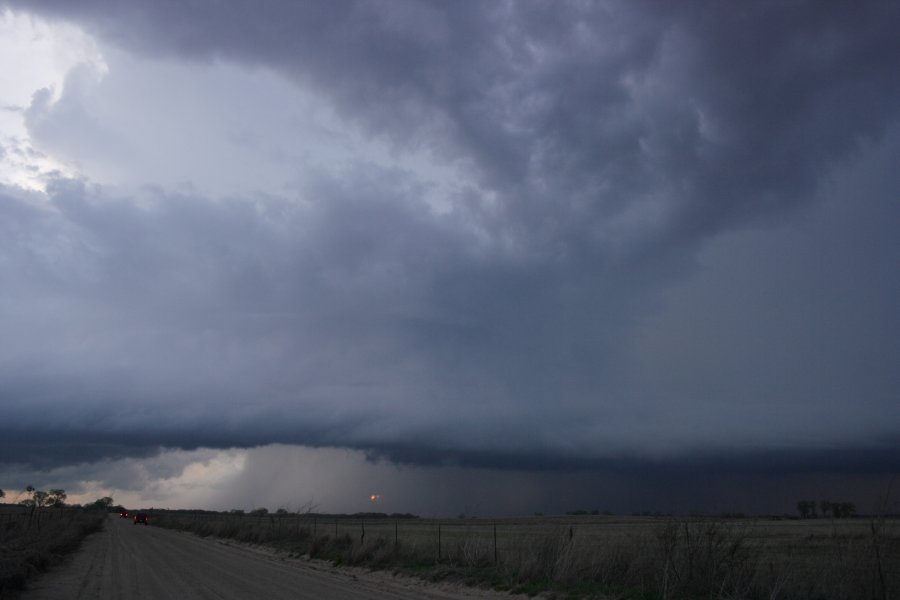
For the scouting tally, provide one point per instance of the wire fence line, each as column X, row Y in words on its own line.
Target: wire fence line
column 15, row 514
column 31, row 539
column 491, row 539
column 714, row 557
column 440, row 534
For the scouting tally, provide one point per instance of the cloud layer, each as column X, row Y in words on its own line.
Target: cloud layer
column 519, row 235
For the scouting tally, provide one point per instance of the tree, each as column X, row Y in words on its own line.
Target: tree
column 38, row 499
column 2, row 494
column 57, row 497
column 41, row 498
column 838, row 510
column 844, row 510
column 103, row 503
column 806, row 508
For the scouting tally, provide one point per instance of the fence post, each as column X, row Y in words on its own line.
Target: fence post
column 495, row 543
column 314, row 528
column 439, row 542
column 362, row 536
column 396, row 539
column 335, row 529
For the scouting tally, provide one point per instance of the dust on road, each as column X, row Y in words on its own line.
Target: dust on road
column 136, row 562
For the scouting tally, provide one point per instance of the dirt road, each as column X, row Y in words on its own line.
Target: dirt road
column 136, row 562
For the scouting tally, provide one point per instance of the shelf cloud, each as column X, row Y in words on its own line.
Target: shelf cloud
column 524, row 237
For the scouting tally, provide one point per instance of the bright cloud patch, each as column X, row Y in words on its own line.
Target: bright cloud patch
column 213, row 128
column 36, row 57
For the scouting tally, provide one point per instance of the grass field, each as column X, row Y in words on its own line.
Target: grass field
column 596, row 556
column 31, row 541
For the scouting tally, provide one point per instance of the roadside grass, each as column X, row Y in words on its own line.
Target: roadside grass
column 595, row 557
column 32, row 541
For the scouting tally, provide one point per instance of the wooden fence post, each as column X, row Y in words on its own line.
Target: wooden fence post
column 495, row 543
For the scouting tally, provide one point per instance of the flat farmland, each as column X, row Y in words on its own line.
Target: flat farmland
column 597, row 555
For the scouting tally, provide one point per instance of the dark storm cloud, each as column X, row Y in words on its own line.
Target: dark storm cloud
column 607, row 143
column 184, row 321
column 689, row 118
column 342, row 480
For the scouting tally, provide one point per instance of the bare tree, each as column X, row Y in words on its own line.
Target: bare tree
column 57, row 497
column 806, row 508
column 38, row 498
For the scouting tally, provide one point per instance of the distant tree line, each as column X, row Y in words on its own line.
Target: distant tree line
column 263, row 511
column 55, row 498
column 583, row 512
column 837, row 510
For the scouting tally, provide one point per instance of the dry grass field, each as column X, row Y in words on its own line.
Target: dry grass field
column 31, row 541
column 596, row 556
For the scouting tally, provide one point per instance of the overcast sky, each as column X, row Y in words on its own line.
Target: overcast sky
column 635, row 255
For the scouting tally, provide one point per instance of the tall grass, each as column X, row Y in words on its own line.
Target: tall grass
column 32, row 540
column 649, row 559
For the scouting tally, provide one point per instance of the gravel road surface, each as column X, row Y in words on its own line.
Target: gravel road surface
column 126, row 561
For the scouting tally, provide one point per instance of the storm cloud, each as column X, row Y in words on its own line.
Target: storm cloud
column 526, row 236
